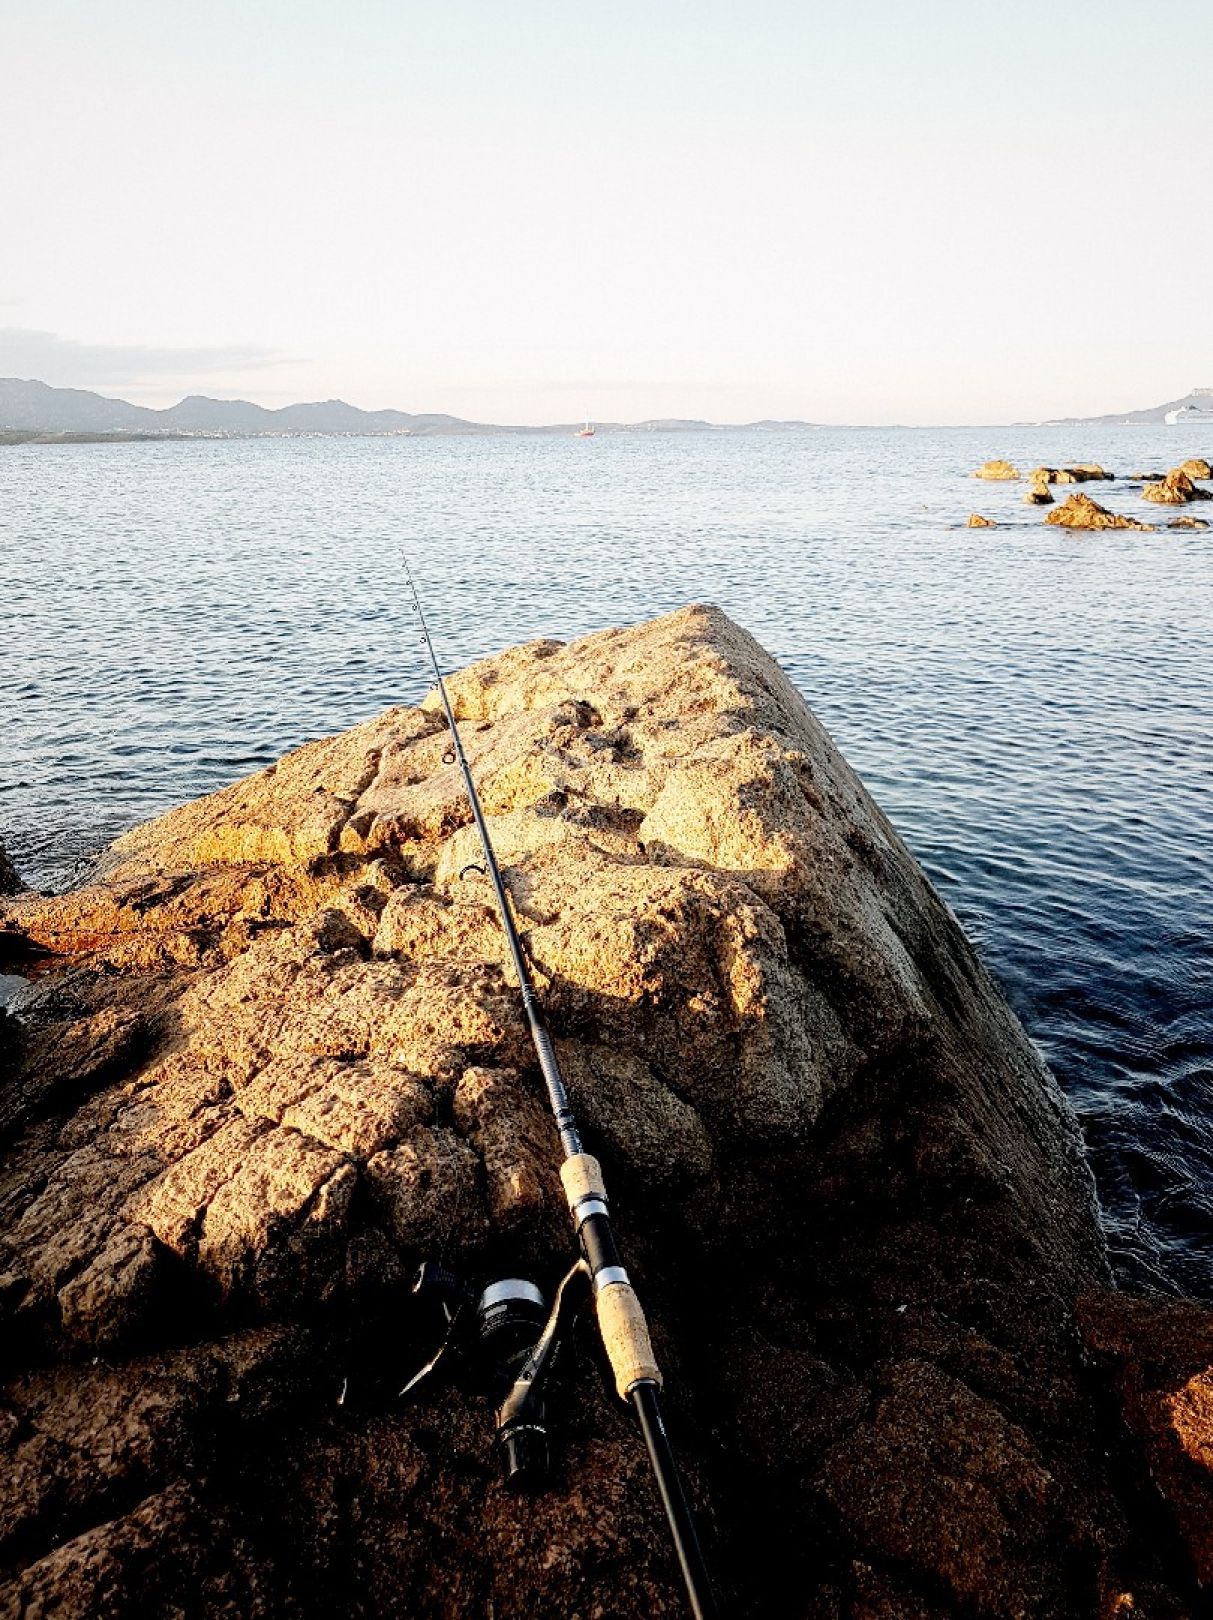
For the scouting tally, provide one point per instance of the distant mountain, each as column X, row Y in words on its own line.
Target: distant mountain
column 36, row 407
column 28, row 407
column 1200, row 399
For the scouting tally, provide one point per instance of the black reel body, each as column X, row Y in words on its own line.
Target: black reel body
column 512, row 1340
column 510, row 1316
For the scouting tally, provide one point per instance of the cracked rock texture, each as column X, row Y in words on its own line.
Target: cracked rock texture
column 274, row 1059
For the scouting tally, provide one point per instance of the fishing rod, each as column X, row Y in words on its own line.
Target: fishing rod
column 621, row 1320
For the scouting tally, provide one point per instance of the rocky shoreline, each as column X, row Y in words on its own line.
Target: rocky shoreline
column 275, row 1061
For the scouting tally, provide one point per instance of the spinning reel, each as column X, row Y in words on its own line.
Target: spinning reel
column 513, row 1339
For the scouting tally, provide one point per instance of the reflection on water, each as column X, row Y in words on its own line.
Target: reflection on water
column 1033, row 708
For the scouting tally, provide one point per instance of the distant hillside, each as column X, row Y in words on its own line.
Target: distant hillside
column 35, row 407
column 1200, row 399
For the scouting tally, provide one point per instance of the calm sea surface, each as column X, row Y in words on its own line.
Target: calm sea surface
column 1033, row 709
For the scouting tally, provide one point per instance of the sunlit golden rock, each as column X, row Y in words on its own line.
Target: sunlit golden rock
column 1081, row 512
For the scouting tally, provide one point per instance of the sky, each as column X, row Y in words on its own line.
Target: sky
column 929, row 211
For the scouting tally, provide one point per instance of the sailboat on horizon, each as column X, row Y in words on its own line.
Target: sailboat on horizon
column 586, row 432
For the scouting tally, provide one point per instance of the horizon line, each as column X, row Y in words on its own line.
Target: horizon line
column 693, row 422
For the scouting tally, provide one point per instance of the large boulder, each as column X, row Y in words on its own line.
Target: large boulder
column 282, row 1060
column 1081, row 512
column 1196, row 467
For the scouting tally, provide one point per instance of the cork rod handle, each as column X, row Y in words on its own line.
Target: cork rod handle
column 625, row 1333
column 625, row 1336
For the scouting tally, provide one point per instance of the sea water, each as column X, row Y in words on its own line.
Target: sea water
column 1032, row 707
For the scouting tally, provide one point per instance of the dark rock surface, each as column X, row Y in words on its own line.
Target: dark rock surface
column 10, row 883
column 281, row 1062
column 1158, row 1354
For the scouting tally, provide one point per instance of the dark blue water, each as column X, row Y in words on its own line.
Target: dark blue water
column 1033, row 708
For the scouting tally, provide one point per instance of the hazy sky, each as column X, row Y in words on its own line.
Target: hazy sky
column 520, row 210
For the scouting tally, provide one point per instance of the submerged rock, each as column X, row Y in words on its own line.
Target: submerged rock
column 1081, row 512
column 1187, row 523
column 285, row 1062
column 996, row 470
column 976, row 521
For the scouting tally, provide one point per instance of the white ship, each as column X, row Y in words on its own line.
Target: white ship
column 1188, row 413
column 1198, row 407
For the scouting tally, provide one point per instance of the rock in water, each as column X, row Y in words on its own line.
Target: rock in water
column 285, row 1063
column 1039, row 494
column 1176, row 489
column 976, row 521
column 1196, row 467
column 1187, row 523
column 996, row 470
column 1081, row 512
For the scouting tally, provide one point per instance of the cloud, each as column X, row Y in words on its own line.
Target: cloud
column 67, row 363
